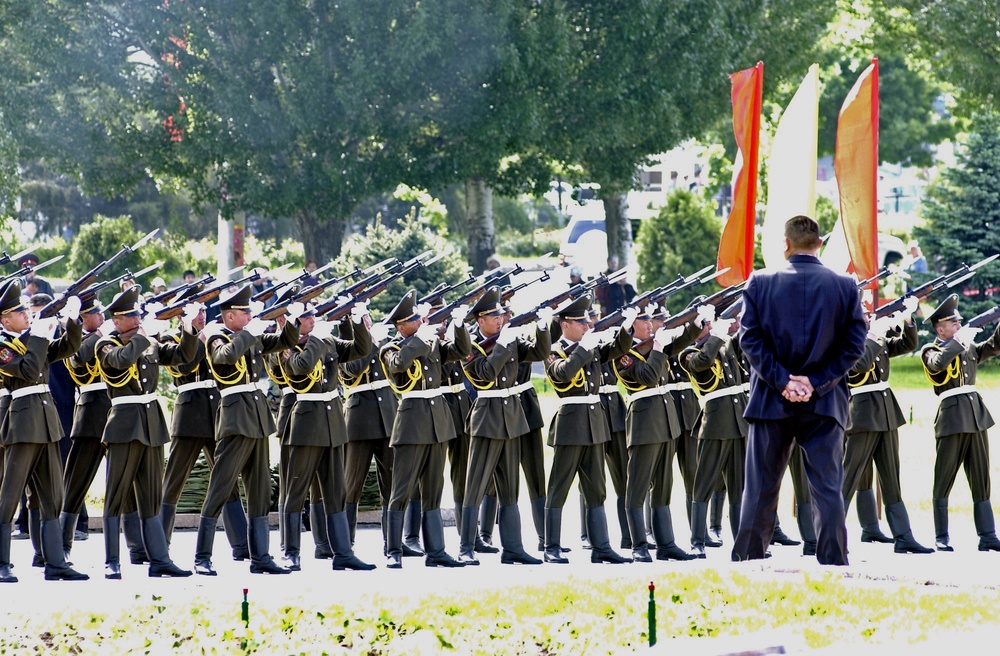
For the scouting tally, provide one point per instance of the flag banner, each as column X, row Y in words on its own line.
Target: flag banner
column 791, row 168
column 737, row 243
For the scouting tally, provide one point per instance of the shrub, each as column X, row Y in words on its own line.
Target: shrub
column 515, row 244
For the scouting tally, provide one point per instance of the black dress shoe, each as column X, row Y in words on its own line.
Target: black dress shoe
column 673, row 552
column 444, row 560
column 484, row 547
column 712, row 542
column 168, row 570
column 204, row 567
column 554, row 555
column 268, row 567
column 909, row 545
column 518, row 558
column 876, row 536
column 113, row 571
column 64, row 574
column 394, row 561
column 608, row 556
column 779, row 537
column 412, row 550
column 942, row 545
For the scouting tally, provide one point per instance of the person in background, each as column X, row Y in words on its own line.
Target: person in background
column 189, row 277
column 916, row 261
column 40, row 286
column 311, row 279
column 158, row 285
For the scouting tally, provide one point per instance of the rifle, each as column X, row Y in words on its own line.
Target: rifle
column 27, row 268
column 7, row 259
column 721, row 299
column 334, row 312
column 948, row 280
column 98, row 287
column 439, row 292
column 359, row 286
column 207, row 294
column 311, row 292
column 508, row 293
column 984, row 318
column 442, row 314
column 657, row 296
column 164, row 297
column 88, row 279
column 882, row 273
column 266, row 294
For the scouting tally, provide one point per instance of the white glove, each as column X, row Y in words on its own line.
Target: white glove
column 379, row 331
column 508, row 335
column 106, row 328
column 358, row 312
column 322, row 329
column 256, row 327
column 71, row 310
column 153, row 326
column 426, row 333
column 665, row 336
column 295, row 310
column 423, row 309
column 153, row 308
column 191, row 311
column 628, row 317
column 210, row 330
column 256, row 307
column 44, row 328
column 545, row 315
column 721, row 327
column 882, row 325
column 460, row 313
column 705, row 313
column 590, row 340
column 910, row 305
column 343, row 298
column 966, row 335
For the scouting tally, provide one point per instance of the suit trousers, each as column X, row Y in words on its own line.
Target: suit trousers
column 769, row 447
column 533, row 463
column 37, row 467
column 417, row 467
column 861, row 449
column 82, row 463
column 319, row 466
column 968, row 450
column 358, row 459
column 496, row 460
column 235, row 456
column 587, row 460
column 134, row 470
column 650, row 465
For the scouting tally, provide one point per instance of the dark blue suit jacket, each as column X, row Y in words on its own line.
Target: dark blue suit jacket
column 802, row 319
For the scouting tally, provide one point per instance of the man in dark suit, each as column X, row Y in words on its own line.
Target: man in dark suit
column 802, row 330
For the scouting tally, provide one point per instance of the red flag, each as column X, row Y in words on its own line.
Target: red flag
column 856, row 166
column 736, row 246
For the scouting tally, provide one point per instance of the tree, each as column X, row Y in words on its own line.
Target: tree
column 681, row 239
column 962, row 214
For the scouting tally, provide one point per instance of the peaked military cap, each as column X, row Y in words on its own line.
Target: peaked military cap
column 488, row 304
column 91, row 305
column 947, row 311
column 578, row 310
column 287, row 292
column 10, row 297
column 126, row 303
column 406, row 309
column 27, row 258
column 236, row 300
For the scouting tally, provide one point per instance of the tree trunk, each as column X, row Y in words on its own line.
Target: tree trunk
column 321, row 238
column 479, row 214
column 618, row 227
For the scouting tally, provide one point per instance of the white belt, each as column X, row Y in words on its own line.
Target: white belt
column 4, row 392
column 588, row 399
column 426, row 393
column 93, row 387
column 368, row 387
column 955, row 391
column 198, row 384
column 874, row 387
column 646, row 393
column 503, row 393
column 457, row 388
column 25, row 391
column 719, row 393
column 134, row 398
column 324, row 397
column 263, row 384
column 239, row 389
column 607, row 389
column 285, row 391
column 523, row 387
column 676, row 387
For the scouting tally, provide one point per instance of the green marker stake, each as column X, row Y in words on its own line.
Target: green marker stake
column 651, row 613
column 245, row 613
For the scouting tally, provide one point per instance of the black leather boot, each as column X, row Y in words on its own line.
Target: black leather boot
column 352, row 520
column 467, row 540
column 982, row 514
column 941, row 525
column 804, row 517
column 35, row 534
column 637, row 531
column 155, row 541
column 339, row 530
column 868, row 516
column 626, row 542
column 203, row 546
column 778, row 536
column 293, row 541
column 67, row 524
column 112, row 547
column 168, row 513
column 6, row 575
column 320, row 531
column 538, row 519
column 56, row 568
column 553, row 531
column 597, row 529
column 899, row 524
column 487, row 521
column 433, row 528
column 411, row 530
column 584, row 537
column 234, row 521
column 259, row 538
column 713, row 537
column 132, row 527
column 510, row 538
column 699, row 528
column 394, row 539
column 663, row 531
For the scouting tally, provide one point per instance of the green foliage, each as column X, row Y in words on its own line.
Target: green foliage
column 962, row 214
column 411, row 239
column 531, row 243
column 681, row 239
column 259, row 252
column 827, row 213
column 46, row 251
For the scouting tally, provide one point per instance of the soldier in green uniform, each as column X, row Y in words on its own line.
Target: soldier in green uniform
column 962, row 420
column 235, row 352
column 135, row 432
column 192, row 431
column 714, row 367
column 31, row 430
column 89, row 416
column 368, row 413
column 422, row 426
column 316, row 432
column 579, row 429
column 874, row 419
column 496, row 421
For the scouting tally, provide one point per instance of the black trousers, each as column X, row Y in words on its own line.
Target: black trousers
column 569, row 460
column 417, row 467
column 495, row 460
column 863, row 448
column 134, row 470
column 650, row 471
column 970, row 451
column 37, row 467
column 319, row 466
column 717, row 459
column 183, row 456
column 533, row 463
column 235, row 456
column 358, row 458
column 82, row 463
column 458, row 465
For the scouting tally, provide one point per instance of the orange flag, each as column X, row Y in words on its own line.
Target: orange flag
column 736, row 246
column 856, row 166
